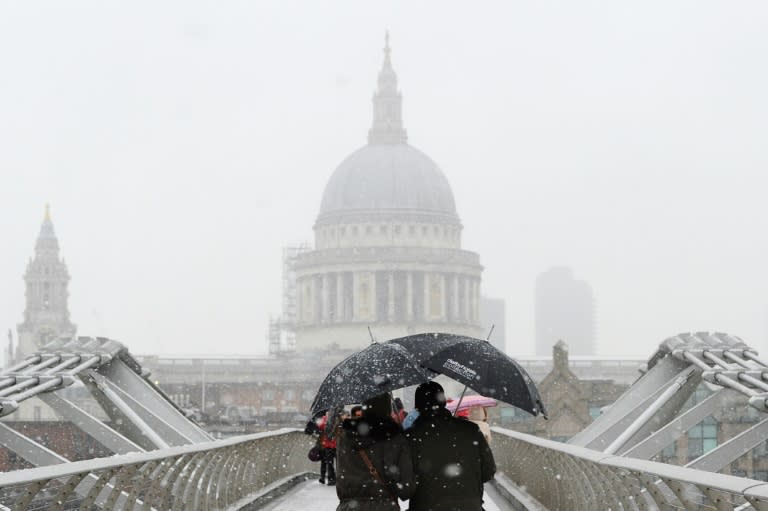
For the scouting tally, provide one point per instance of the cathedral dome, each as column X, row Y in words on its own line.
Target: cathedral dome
column 387, row 251
column 388, row 178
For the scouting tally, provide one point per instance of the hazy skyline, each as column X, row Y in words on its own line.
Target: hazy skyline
column 183, row 144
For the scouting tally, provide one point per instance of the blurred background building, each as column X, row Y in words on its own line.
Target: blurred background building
column 565, row 310
column 493, row 315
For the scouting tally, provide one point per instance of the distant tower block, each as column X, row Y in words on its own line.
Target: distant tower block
column 387, row 244
column 565, row 310
column 493, row 316
column 47, row 314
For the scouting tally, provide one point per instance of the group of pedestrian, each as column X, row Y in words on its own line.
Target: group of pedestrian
column 439, row 463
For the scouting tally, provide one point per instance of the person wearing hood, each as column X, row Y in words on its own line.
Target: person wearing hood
column 451, row 458
column 374, row 462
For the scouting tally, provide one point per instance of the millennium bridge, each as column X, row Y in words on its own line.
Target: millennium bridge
column 164, row 461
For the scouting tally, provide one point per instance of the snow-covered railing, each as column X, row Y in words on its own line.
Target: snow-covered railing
column 202, row 476
column 569, row 477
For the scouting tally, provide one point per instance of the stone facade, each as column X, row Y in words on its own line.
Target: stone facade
column 572, row 403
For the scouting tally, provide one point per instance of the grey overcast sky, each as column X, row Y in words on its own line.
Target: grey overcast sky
column 181, row 144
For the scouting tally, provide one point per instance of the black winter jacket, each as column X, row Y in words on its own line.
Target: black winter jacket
column 452, row 460
column 386, row 446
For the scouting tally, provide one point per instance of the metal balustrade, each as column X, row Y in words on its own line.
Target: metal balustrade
column 571, row 478
column 164, row 461
column 203, row 476
column 223, row 474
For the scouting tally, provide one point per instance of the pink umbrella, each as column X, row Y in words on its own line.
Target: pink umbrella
column 469, row 401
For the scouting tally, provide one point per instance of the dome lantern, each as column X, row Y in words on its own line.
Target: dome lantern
column 387, row 125
column 388, row 179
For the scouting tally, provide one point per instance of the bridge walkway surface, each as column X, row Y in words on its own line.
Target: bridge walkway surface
column 312, row 495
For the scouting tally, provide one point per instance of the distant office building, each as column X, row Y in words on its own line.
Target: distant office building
column 565, row 310
column 492, row 314
column 46, row 315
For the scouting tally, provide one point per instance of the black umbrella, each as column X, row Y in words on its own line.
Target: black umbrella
column 377, row 369
column 478, row 365
column 424, row 346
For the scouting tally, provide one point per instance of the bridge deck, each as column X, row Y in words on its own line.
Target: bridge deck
column 312, row 495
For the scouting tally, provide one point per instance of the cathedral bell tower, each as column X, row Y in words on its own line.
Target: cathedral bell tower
column 47, row 314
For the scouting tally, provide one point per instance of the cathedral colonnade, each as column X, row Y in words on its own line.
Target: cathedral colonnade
column 392, row 295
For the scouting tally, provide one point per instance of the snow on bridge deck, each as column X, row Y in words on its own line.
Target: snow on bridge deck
column 313, row 495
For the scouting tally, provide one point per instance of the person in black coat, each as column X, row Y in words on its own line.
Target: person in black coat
column 381, row 440
column 451, row 458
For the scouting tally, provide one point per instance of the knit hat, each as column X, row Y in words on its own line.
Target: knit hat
column 429, row 396
column 378, row 406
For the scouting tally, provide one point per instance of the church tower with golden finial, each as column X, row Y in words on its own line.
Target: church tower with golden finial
column 46, row 315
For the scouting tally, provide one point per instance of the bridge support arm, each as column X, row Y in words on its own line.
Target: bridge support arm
column 606, row 428
column 153, row 400
column 167, row 432
column 124, row 419
column 35, row 453
column 664, row 402
column 676, row 428
column 103, row 434
column 719, row 457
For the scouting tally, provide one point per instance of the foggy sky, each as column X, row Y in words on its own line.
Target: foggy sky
column 181, row 144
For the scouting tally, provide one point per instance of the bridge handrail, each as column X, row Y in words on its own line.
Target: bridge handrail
column 193, row 473
column 30, row 475
column 565, row 476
